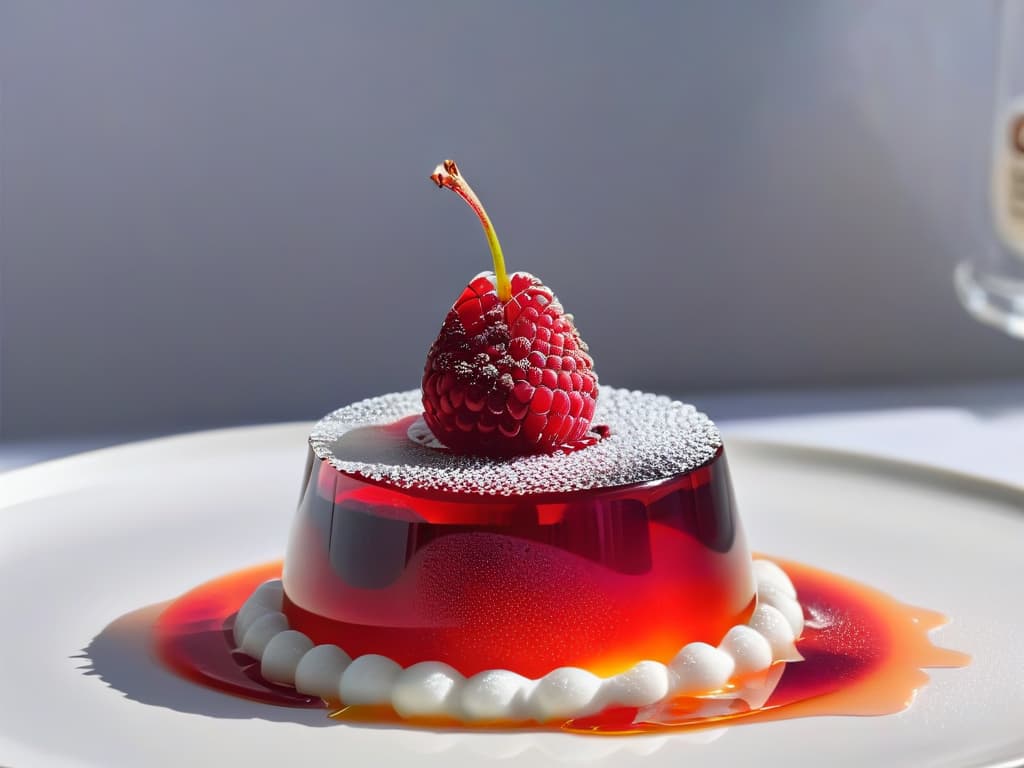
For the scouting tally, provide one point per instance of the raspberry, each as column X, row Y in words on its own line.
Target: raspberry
column 508, row 374
column 508, row 378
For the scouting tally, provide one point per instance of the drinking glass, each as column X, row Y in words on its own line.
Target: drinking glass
column 990, row 284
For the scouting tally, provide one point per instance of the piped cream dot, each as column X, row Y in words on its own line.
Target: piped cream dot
column 767, row 572
column 749, row 650
column 427, row 689
column 701, row 668
column 259, row 604
column 564, row 692
column 770, row 622
column 639, row 686
column 270, row 593
column 319, row 672
column 790, row 608
column 282, row 655
column 494, row 694
column 247, row 614
column 368, row 680
column 261, row 631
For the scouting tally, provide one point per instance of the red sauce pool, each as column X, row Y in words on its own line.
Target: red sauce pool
column 863, row 655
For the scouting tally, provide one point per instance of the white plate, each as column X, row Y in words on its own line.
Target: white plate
column 86, row 540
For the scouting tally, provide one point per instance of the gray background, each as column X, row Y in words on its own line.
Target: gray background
column 217, row 212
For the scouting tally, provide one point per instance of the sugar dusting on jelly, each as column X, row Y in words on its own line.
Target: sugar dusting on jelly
column 864, row 653
column 649, row 437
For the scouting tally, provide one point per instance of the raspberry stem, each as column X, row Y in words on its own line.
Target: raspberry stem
column 447, row 175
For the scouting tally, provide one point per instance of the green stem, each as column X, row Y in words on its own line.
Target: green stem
column 447, row 175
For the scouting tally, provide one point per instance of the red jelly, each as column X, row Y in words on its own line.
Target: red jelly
column 593, row 578
column 624, row 551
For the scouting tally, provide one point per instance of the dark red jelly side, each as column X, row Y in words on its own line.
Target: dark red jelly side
column 596, row 579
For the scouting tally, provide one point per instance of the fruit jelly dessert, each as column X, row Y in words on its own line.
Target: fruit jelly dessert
column 488, row 523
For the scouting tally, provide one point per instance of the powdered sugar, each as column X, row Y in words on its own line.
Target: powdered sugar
column 651, row 437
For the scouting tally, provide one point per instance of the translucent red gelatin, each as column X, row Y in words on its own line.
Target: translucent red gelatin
column 595, row 579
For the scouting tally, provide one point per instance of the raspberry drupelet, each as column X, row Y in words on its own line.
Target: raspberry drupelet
column 508, row 374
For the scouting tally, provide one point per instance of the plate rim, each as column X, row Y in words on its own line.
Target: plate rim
column 917, row 472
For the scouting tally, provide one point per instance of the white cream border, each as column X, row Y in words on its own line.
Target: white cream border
column 435, row 689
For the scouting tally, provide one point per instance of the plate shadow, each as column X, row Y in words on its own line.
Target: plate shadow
column 121, row 655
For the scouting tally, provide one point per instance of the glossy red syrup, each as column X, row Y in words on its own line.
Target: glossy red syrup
column 594, row 579
column 193, row 637
column 863, row 651
column 864, row 655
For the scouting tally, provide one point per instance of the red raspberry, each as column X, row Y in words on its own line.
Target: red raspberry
column 508, row 378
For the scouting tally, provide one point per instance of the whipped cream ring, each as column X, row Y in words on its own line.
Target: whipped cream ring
column 434, row 689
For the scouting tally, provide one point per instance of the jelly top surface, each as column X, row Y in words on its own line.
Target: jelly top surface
column 649, row 437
